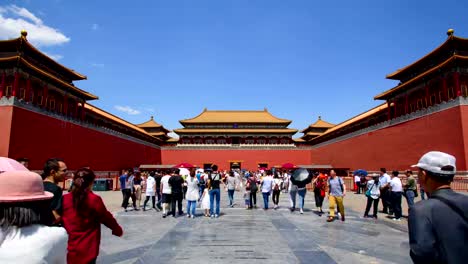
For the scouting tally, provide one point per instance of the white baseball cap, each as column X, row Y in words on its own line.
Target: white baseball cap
column 437, row 162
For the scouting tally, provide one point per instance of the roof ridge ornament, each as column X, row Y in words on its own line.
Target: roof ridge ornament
column 320, row 117
column 24, row 33
column 450, row 32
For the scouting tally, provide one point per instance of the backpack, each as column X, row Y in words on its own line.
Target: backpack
column 341, row 184
column 319, row 184
column 253, row 185
column 276, row 187
column 201, row 180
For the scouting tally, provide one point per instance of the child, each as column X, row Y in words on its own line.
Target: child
column 205, row 204
column 247, row 199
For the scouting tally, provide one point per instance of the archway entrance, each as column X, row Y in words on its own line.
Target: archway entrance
column 235, row 165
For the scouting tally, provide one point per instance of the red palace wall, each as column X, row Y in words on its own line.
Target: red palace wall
column 39, row 137
column 6, row 114
column 249, row 158
column 399, row 146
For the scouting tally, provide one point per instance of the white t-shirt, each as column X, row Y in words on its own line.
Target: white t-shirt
column 267, row 185
column 33, row 244
column 384, row 179
column 395, row 183
column 357, row 178
column 166, row 188
column 150, row 183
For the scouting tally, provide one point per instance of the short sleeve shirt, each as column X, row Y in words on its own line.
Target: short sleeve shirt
column 395, row 183
column 384, row 179
column 335, row 186
column 166, row 188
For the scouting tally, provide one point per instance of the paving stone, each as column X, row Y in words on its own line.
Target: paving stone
column 254, row 236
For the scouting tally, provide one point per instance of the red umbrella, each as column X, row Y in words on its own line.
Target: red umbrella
column 184, row 165
column 288, row 166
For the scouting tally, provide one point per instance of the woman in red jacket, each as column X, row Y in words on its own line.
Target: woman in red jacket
column 83, row 213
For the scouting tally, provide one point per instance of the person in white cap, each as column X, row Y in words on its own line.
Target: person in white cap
column 438, row 227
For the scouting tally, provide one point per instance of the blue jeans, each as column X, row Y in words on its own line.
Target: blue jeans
column 409, row 195
column 292, row 196
column 266, row 197
column 213, row 193
column 201, row 189
column 191, row 207
column 302, row 194
column 231, row 196
column 423, row 197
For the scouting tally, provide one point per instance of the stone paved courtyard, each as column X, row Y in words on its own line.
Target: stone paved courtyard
column 254, row 236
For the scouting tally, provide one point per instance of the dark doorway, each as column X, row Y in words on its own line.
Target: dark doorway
column 207, row 166
column 235, row 165
column 235, row 140
column 263, row 165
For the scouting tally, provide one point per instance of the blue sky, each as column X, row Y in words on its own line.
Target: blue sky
column 171, row 59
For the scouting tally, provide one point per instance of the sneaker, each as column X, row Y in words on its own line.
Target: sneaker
column 339, row 215
column 216, row 216
column 330, row 219
column 188, row 215
column 192, row 216
column 164, row 215
column 302, row 211
column 342, row 218
column 397, row 219
column 212, row 216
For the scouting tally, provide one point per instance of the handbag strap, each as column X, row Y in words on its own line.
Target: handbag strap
column 452, row 206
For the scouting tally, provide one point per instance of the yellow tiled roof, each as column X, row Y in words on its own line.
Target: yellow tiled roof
column 235, row 131
column 215, row 116
column 114, row 118
column 448, row 62
column 22, row 40
column 355, row 119
column 319, row 124
column 150, row 123
column 447, row 44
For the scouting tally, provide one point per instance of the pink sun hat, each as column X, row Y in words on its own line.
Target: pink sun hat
column 22, row 186
column 7, row 164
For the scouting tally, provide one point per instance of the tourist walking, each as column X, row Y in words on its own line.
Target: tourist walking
column 137, row 189
column 385, row 194
column 232, row 184
column 205, row 202
column 438, row 227
column 336, row 193
column 25, row 236
column 150, row 192
column 357, row 183
column 396, row 189
column 373, row 195
column 177, row 182
column 410, row 189
column 124, row 188
column 83, row 214
column 166, row 193
column 54, row 172
column 157, row 177
column 253, row 187
column 292, row 194
column 277, row 183
column 320, row 187
column 214, row 181
column 267, row 187
column 192, row 194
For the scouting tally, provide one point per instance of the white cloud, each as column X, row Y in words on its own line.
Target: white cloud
column 173, row 135
column 94, row 27
column 13, row 19
column 54, row 56
column 97, row 65
column 127, row 109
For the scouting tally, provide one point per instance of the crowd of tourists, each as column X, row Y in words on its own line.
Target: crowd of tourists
column 40, row 224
